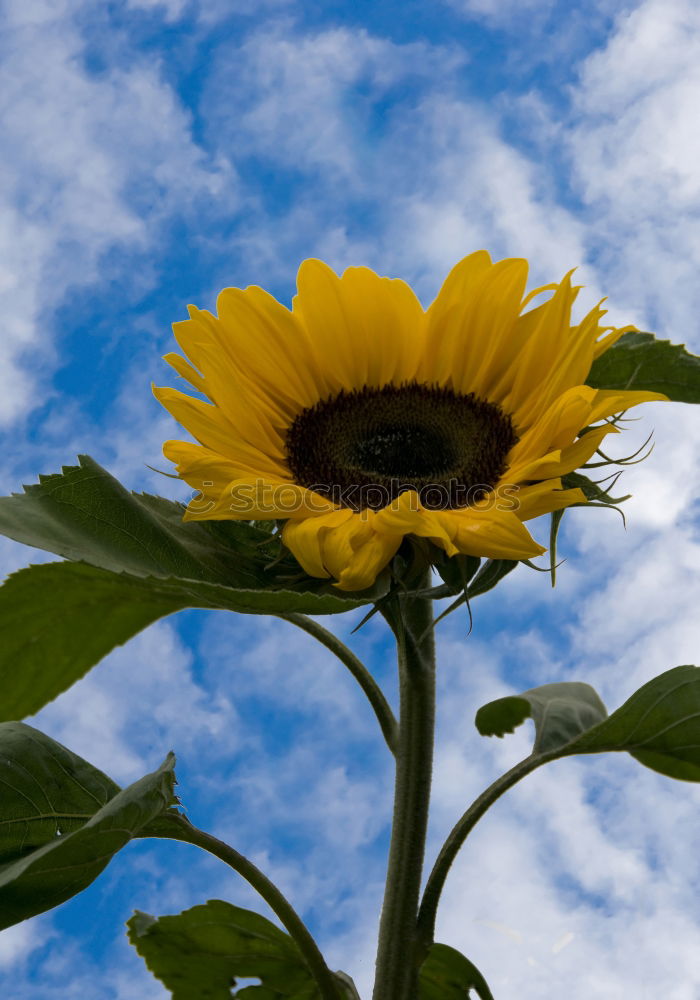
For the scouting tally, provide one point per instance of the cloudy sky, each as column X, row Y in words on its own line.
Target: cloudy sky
column 156, row 151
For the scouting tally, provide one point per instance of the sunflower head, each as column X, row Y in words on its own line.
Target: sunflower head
column 358, row 418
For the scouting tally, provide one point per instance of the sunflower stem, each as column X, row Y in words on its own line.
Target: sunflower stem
column 410, row 617
column 359, row 671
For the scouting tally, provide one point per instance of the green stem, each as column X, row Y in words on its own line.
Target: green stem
column 397, row 966
column 438, row 593
column 359, row 671
column 454, row 842
column 176, row 827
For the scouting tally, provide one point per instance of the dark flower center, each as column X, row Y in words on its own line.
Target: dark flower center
column 361, row 449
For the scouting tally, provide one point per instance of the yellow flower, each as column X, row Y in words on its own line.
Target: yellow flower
column 358, row 417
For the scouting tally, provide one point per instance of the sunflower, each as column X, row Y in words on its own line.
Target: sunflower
column 358, row 418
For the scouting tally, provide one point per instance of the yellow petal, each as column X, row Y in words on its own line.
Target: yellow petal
column 545, row 497
column 368, row 562
column 556, row 428
column 446, row 337
column 366, row 330
column 492, row 534
column 305, row 539
column 344, row 545
column 470, row 338
column 540, row 353
column 407, row 516
column 345, row 539
column 203, row 469
column 491, row 322
column 461, row 282
column 610, row 401
column 212, row 429
column 258, row 417
column 558, row 463
column 271, row 347
column 606, row 342
column 259, row 500
column 185, row 369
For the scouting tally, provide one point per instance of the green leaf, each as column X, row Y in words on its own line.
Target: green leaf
column 448, row 975
column 640, row 361
column 132, row 560
column 58, row 836
column 204, row 950
column 84, row 514
column 659, row 725
column 560, row 712
column 59, row 619
column 46, row 790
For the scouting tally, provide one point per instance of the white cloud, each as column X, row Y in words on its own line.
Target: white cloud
column 463, row 188
column 547, row 31
column 64, row 971
column 93, row 163
column 501, row 11
column 305, row 100
column 206, row 11
column 172, row 9
column 434, row 171
column 18, row 942
column 634, row 147
column 138, row 704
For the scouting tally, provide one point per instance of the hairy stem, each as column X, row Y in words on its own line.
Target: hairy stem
column 397, row 961
column 455, row 840
column 374, row 693
column 176, row 827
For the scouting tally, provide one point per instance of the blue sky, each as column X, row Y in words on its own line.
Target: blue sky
column 156, row 152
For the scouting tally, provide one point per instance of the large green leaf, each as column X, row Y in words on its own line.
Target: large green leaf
column 640, row 361
column 59, row 619
column 560, row 712
column 447, row 975
column 85, row 514
column 62, row 821
column 46, row 790
column 200, row 953
column 131, row 560
column 659, row 725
